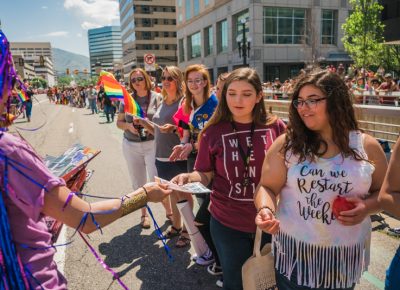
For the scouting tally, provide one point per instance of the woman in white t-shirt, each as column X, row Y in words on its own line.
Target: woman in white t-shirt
column 323, row 155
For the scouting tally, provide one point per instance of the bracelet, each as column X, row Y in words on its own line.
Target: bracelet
column 134, row 202
column 266, row 207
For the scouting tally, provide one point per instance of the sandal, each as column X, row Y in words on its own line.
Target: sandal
column 144, row 221
column 183, row 241
column 172, row 232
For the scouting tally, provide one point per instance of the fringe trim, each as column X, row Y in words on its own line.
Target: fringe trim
column 320, row 266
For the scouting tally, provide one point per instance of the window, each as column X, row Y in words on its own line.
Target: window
column 222, row 36
column 206, row 2
column 329, row 27
column 194, row 45
column 166, row 34
column 155, row 21
column 208, row 40
column 238, row 27
column 166, row 22
column 188, row 10
column 284, row 25
column 146, row 35
column 196, row 7
column 271, row 72
column 181, row 50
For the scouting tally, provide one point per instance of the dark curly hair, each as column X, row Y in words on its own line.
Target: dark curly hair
column 308, row 144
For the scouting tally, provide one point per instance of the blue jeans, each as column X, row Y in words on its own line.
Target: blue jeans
column 233, row 248
column 28, row 109
column 393, row 273
column 92, row 104
column 109, row 111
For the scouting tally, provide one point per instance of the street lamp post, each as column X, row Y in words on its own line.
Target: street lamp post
column 244, row 45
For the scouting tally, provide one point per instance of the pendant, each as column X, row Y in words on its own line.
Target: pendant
column 246, row 181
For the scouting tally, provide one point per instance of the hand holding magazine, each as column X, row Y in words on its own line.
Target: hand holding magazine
column 193, row 187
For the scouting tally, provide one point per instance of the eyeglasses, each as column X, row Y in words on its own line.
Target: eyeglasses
column 310, row 103
column 170, row 79
column 196, row 81
column 138, row 79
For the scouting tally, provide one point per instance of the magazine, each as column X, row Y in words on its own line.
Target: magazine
column 193, row 187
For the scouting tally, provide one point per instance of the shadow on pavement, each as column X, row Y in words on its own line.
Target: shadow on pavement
column 155, row 271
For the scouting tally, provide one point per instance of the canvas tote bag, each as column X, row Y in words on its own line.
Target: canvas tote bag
column 258, row 272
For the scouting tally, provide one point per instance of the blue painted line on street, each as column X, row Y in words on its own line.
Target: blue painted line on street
column 374, row 280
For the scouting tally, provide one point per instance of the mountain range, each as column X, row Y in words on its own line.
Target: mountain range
column 64, row 60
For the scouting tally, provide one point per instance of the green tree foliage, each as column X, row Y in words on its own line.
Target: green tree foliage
column 39, row 83
column 64, row 81
column 391, row 58
column 363, row 33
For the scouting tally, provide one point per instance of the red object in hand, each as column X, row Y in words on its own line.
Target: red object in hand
column 341, row 204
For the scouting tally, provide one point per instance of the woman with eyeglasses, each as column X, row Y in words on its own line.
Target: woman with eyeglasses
column 138, row 144
column 319, row 184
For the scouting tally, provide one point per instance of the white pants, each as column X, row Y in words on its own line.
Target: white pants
column 140, row 157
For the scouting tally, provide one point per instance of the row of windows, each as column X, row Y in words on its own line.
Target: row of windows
column 149, row 22
column 155, row 46
column 147, row 9
column 150, row 35
column 192, row 8
column 281, row 26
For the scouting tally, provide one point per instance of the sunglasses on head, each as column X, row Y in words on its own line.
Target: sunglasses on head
column 138, row 79
column 170, row 79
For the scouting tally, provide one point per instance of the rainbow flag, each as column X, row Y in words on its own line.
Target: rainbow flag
column 131, row 107
column 112, row 87
column 22, row 96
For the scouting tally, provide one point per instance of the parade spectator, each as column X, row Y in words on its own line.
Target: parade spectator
column 50, row 95
column 322, row 156
column 220, row 84
column 231, row 150
column 92, row 96
column 107, row 105
column 32, row 192
column 200, row 105
column 389, row 198
column 138, row 144
column 388, row 85
column 28, row 103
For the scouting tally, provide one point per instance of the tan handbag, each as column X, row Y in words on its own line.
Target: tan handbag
column 258, row 272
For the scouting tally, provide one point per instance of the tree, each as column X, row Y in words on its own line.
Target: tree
column 363, row 33
column 39, row 82
column 391, row 58
column 64, row 81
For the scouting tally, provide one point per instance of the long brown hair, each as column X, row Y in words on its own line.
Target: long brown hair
column 177, row 75
column 222, row 112
column 146, row 79
column 206, row 91
column 308, row 144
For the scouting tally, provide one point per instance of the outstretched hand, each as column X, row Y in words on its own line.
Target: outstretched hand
column 167, row 128
column 181, row 179
column 156, row 192
column 356, row 215
column 267, row 222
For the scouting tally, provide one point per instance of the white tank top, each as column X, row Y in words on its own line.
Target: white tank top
column 323, row 252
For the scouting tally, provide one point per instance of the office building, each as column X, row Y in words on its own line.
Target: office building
column 391, row 19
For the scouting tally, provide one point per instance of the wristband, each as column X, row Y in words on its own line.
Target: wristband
column 134, row 202
column 266, row 207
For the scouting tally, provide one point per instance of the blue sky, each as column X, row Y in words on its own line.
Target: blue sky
column 64, row 23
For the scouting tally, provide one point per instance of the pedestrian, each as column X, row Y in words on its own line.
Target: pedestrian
column 232, row 147
column 28, row 103
column 389, row 199
column 28, row 191
column 107, row 104
column 326, row 174
column 138, row 144
column 92, row 96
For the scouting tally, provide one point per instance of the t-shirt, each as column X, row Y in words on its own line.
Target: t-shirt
column 232, row 204
column 24, row 205
column 149, row 107
column 165, row 141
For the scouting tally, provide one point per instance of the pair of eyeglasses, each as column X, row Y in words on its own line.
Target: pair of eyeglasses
column 310, row 103
column 138, row 79
column 196, row 81
column 170, row 79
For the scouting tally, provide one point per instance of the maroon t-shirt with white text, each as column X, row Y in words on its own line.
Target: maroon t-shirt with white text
column 232, row 204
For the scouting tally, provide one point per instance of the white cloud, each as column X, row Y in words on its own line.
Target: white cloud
column 56, row 34
column 96, row 13
column 44, row 7
column 79, row 34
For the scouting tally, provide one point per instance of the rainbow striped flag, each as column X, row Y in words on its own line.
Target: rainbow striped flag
column 131, row 107
column 22, row 96
column 112, row 87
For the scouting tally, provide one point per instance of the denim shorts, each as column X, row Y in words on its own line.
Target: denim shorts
column 393, row 273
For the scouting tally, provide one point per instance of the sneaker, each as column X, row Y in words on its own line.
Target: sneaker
column 394, row 231
column 214, row 269
column 220, row 283
column 206, row 259
column 194, row 257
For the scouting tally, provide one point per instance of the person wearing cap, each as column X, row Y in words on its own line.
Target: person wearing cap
column 388, row 85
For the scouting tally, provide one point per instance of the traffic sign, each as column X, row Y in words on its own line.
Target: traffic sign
column 149, row 62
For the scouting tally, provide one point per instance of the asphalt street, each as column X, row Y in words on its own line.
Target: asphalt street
column 135, row 254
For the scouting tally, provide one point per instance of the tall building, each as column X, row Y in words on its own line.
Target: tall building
column 148, row 27
column 105, row 47
column 391, row 19
column 37, row 55
column 283, row 36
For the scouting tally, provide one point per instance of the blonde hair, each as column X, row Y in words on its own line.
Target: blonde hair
column 146, row 79
column 177, row 75
column 206, row 91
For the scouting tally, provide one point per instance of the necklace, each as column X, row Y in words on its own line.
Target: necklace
column 245, row 156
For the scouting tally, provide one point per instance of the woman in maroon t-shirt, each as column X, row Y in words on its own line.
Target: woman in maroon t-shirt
column 231, row 152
